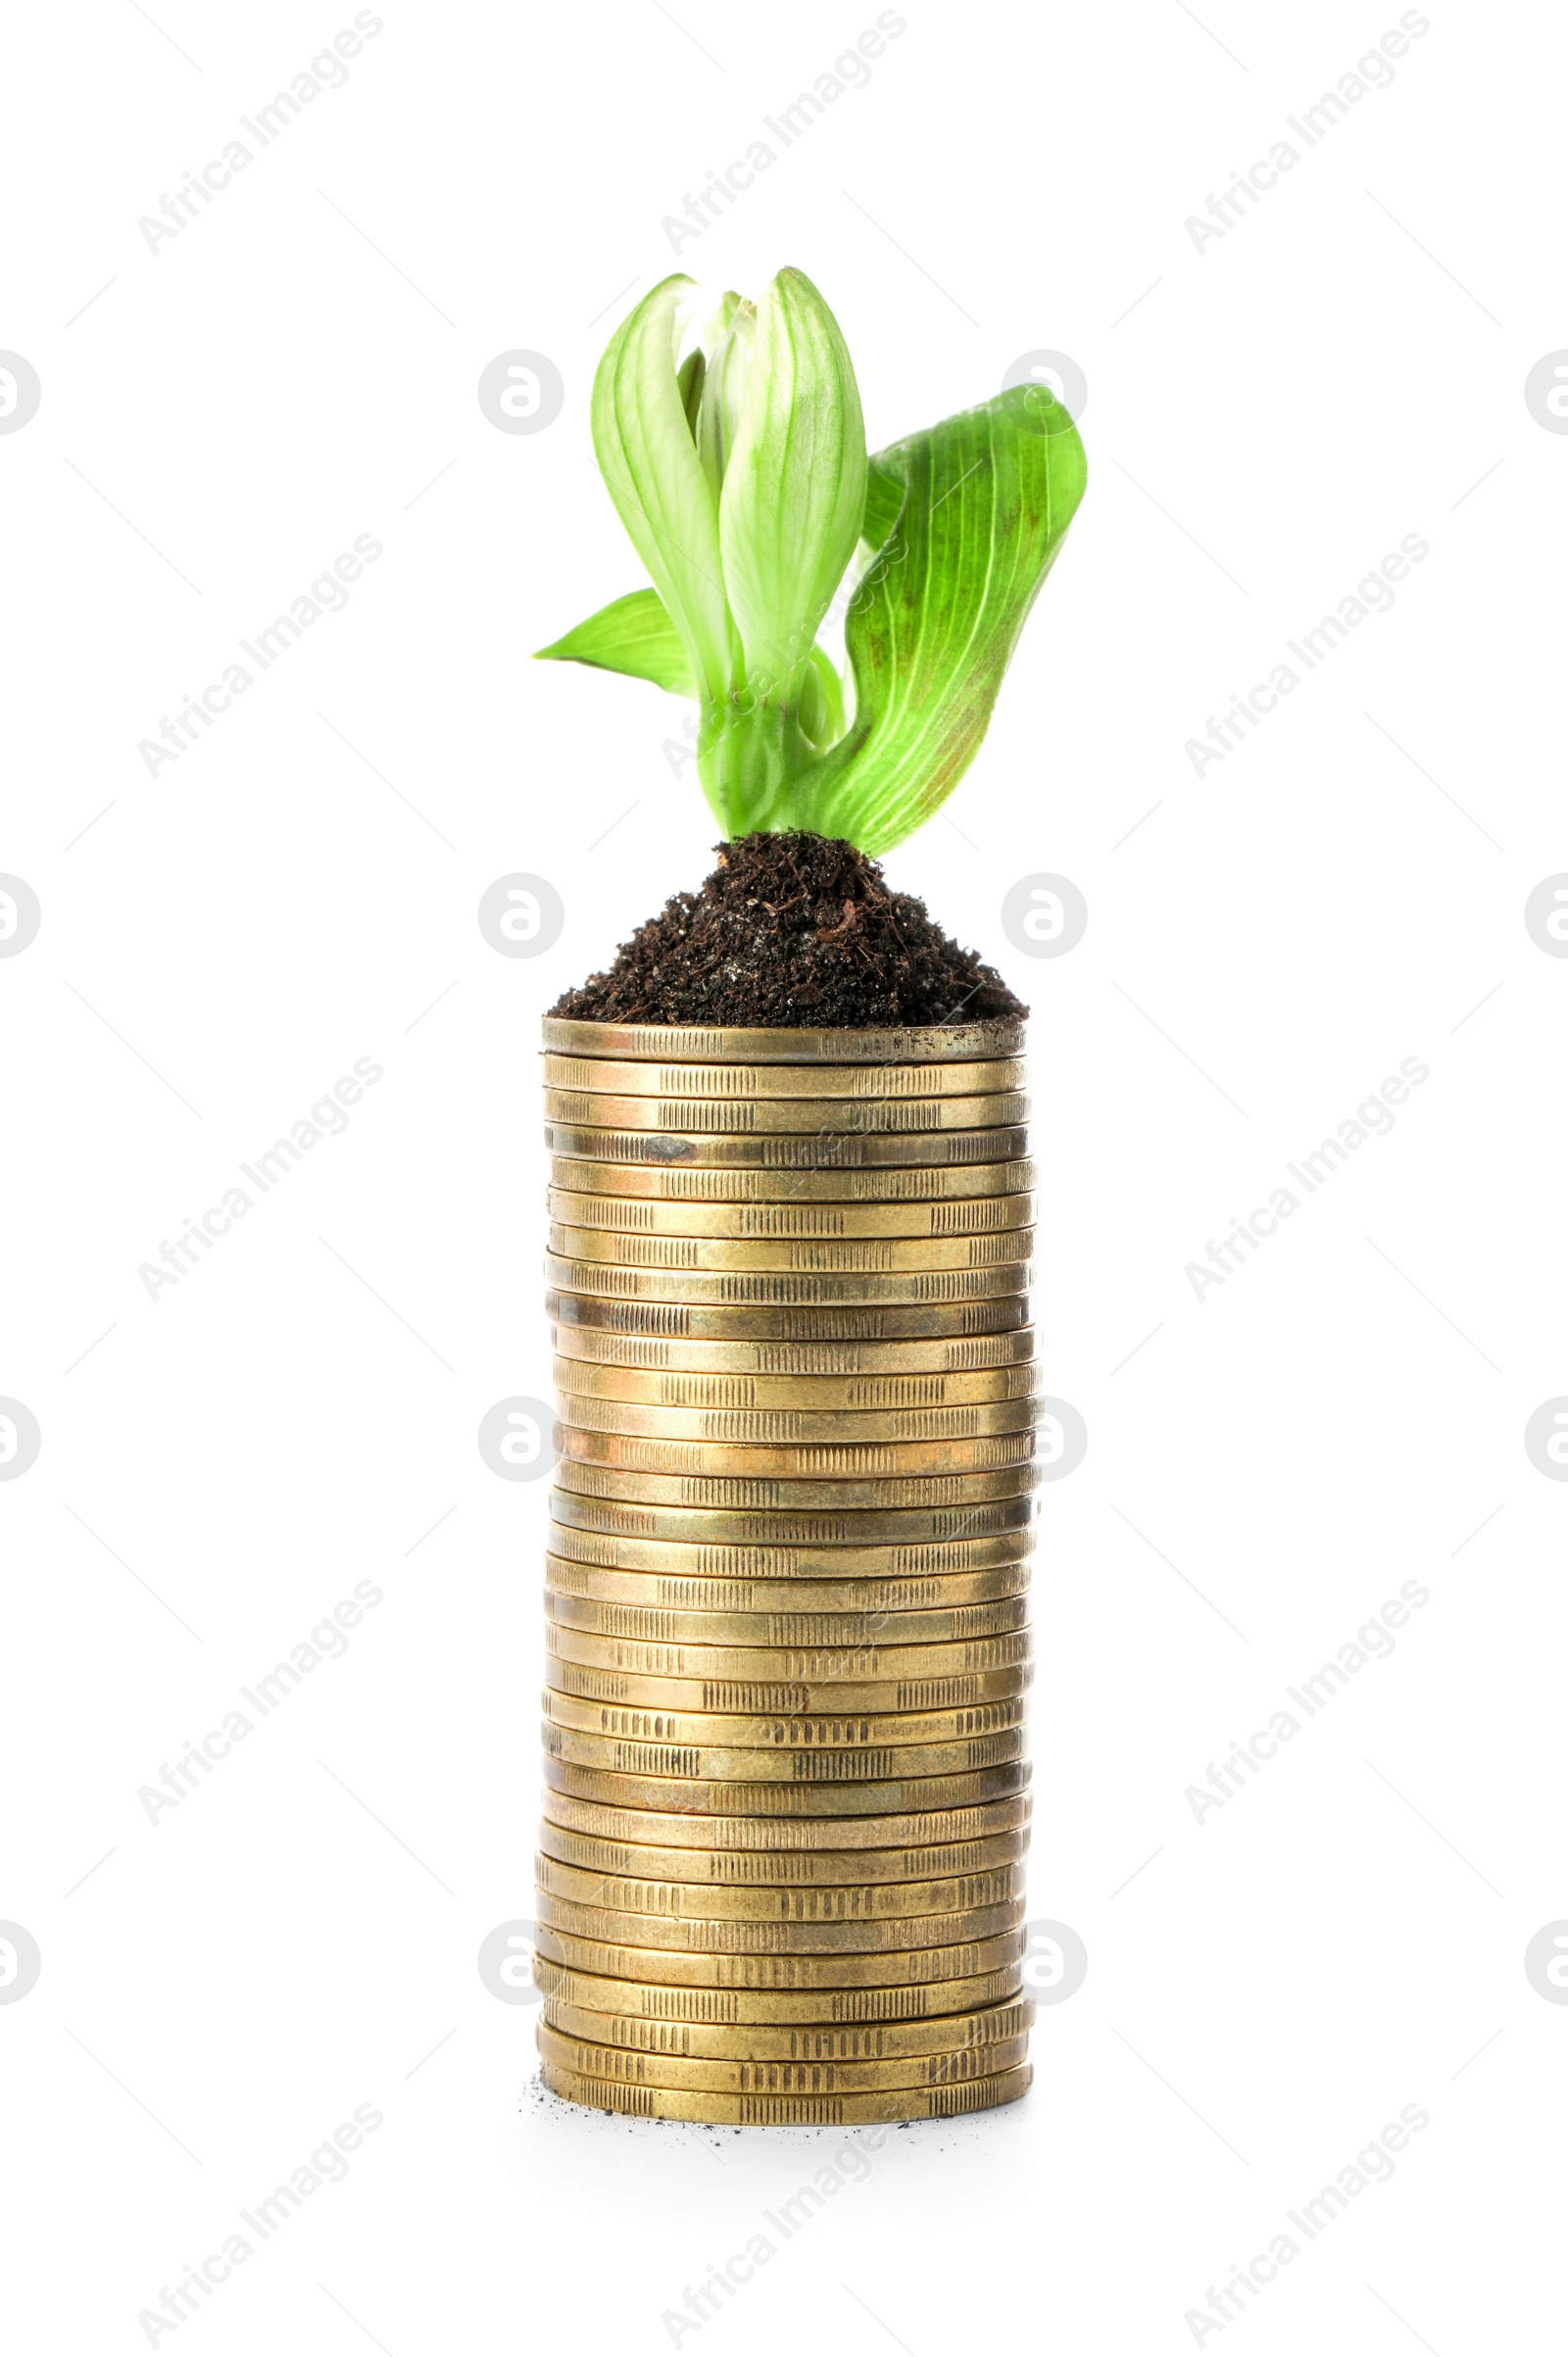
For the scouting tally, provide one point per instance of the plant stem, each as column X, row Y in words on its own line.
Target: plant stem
column 752, row 756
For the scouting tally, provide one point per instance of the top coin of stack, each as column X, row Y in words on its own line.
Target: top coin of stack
column 786, row 1787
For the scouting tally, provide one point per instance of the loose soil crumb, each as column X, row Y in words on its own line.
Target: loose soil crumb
column 792, row 930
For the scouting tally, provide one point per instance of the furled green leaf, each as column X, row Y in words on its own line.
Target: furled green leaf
column 984, row 500
column 794, row 490
column 689, row 384
column 727, row 341
column 634, row 635
column 649, row 460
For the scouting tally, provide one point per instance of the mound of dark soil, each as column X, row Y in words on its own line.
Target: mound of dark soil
column 792, row 930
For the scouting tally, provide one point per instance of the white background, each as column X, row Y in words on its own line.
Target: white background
column 1266, row 419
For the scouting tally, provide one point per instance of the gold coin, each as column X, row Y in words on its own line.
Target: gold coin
column 713, row 1578
column 783, row 1906
column 881, row 1658
column 595, row 1349
column 832, row 1622
column 667, row 1186
column 858, row 1325
column 916, row 2008
column 667, row 1388
column 882, row 1255
column 784, row 1836
column 713, row 1042
column 837, row 1151
column 814, row 1724
column 768, row 1425
column 722, row 1935
column 855, row 1529
column 713, row 1968
column 788, row 2111
column 596, row 2052
column 826, row 1622
column 981, row 2031
column 869, row 1083
column 767, row 1429
column 617, row 1702
column 719, row 1565
column 787, row 1222
column 901, row 1796
column 789, row 1116
column 811, row 1463
column 744, row 1711
column 725, row 1587
column 764, row 1288
column 803, row 1634
column 591, row 1440
column 607, row 2061
column 743, row 1762
column 770, row 1871
column 784, row 1494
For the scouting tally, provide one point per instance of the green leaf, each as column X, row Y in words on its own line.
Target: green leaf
column 884, row 497
column 984, row 501
column 649, row 460
column 794, row 490
column 635, row 635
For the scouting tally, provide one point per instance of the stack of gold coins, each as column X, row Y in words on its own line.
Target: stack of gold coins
column 786, row 1794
